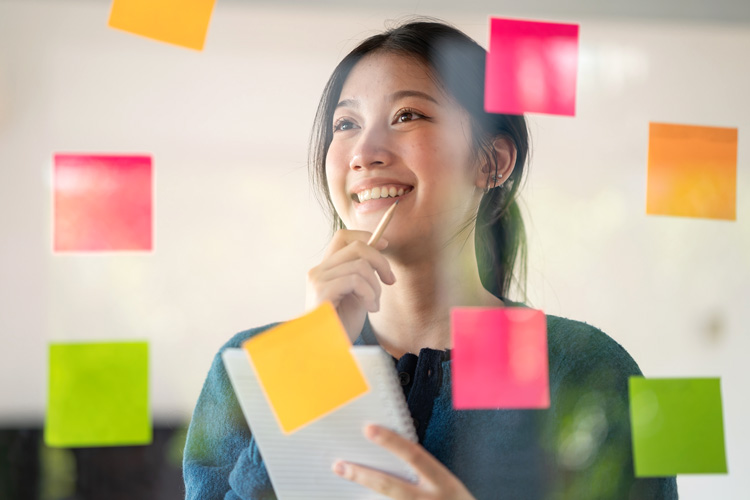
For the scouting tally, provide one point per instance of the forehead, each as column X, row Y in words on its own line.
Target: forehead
column 382, row 73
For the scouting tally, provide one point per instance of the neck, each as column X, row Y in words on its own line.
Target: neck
column 415, row 311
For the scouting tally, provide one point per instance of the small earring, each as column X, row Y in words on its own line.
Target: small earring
column 494, row 178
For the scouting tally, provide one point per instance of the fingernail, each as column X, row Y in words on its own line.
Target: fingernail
column 339, row 468
column 372, row 432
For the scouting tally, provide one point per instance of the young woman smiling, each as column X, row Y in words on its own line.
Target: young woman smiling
column 402, row 117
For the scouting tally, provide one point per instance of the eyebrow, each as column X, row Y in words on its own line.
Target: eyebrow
column 396, row 96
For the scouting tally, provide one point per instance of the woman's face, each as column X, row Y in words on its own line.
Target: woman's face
column 396, row 131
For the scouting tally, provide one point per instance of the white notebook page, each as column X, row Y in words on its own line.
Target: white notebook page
column 299, row 464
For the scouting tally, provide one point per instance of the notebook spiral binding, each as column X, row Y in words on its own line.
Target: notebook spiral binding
column 398, row 404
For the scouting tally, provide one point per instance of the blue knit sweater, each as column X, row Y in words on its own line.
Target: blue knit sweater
column 578, row 449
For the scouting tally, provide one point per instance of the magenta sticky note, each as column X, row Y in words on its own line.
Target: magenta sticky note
column 102, row 203
column 532, row 67
column 499, row 358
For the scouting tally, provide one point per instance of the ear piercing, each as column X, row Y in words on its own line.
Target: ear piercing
column 494, row 178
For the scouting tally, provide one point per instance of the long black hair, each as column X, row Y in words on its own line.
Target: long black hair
column 457, row 64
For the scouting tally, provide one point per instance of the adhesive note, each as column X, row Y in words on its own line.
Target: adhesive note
column 499, row 358
column 102, row 203
column 180, row 22
column 305, row 367
column 532, row 66
column 677, row 426
column 692, row 171
column 98, row 395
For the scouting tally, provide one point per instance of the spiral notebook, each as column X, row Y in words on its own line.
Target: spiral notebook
column 299, row 464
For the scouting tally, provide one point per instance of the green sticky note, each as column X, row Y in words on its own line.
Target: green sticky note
column 98, row 395
column 677, row 426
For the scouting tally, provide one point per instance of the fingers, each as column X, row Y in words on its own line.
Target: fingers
column 336, row 290
column 350, row 268
column 380, row 482
column 344, row 237
column 425, row 465
column 435, row 480
column 358, row 250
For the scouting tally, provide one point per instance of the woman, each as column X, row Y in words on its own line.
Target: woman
column 402, row 117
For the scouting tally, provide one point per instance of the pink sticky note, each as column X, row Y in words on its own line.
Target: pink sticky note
column 499, row 358
column 532, row 66
column 102, row 203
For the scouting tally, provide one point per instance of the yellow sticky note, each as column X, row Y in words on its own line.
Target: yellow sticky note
column 181, row 22
column 692, row 171
column 305, row 367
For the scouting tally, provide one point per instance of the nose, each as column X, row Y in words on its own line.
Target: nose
column 372, row 150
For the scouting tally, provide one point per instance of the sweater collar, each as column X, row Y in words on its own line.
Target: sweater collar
column 367, row 336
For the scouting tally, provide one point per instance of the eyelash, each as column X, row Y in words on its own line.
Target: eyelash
column 340, row 122
column 410, row 111
column 402, row 112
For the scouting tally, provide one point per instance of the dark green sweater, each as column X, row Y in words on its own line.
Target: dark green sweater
column 577, row 449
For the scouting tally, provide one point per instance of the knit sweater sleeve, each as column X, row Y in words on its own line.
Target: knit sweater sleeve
column 590, row 432
column 220, row 460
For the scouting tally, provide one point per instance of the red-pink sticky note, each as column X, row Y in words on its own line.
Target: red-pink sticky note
column 499, row 358
column 102, row 203
column 532, row 66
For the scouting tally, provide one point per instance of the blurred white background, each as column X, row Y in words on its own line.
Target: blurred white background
column 237, row 227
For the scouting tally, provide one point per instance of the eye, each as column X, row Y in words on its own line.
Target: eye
column 409, row 115
column 343, row 124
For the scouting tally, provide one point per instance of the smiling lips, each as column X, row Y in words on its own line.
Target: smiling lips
column 387, row 191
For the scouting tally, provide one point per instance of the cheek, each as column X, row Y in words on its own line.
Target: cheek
column 335, row 178
column 445, row 167
column 336, row 164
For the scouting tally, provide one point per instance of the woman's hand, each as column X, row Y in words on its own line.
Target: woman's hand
column 435, row 481
column 346, row 277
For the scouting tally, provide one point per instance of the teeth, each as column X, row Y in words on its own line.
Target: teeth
column 381, row 192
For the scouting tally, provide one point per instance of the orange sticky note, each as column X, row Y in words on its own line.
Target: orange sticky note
column 181, row 22
column 305, row 367
column 692, row 171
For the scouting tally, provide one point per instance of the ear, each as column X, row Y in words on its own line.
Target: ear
column 504, row 153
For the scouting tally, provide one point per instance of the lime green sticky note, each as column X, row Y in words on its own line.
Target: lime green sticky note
column 677, row 426
column 98, row 395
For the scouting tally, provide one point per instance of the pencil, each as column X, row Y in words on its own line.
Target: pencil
column 387, row 216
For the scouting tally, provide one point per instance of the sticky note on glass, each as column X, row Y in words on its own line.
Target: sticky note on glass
column 102, row 203
column 677, row 426
column 180, row 22
column 98, row 395
column 692, row 171
column 532, row 67
column 305, row 367
column 499, row 358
